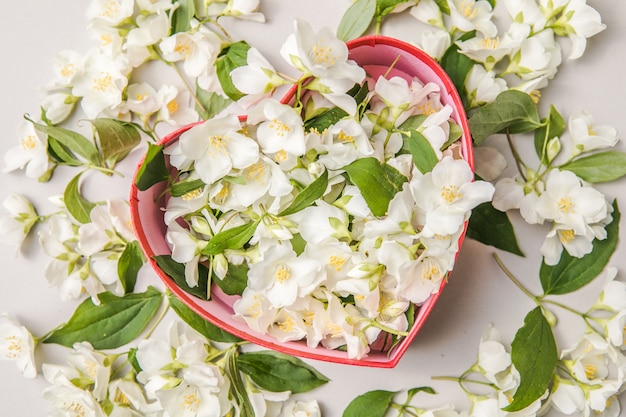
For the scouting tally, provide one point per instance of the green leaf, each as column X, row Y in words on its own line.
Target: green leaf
column 512, row 110
column 572, row 273
column 233, row 56
column 73, row 141
column 114, row 323
column 600, row 167
column 534, row 354
column 153, row 169
column 61, row 153
column 493, row 227
column 424, row 156
column 278, row 372
column 205, row 328
column 457, row 66
column 307, row 196
column 554, row 126
column 181, row 18
column 378, row 183
column 326, row 118
column 413, row 391
column 356, row 19
column 233, row 238
column 77, row 205
column 176, row 271
column 443, row 6
column 117, row 138
column 211, row 103
column 235, row 281
column 129, row 264
column 181, row 188
column 371, row 404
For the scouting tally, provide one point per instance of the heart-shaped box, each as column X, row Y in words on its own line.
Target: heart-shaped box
column 376, row 54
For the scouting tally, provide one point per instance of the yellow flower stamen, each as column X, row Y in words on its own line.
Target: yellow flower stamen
column 323, row 55
column 566, row 236
column 344, row 137
column 427, row 108
column 191, row 194
column 103, row 83
column 566, row 205
column 256, row 172
column 450, row 193
column 490, row 43
column 590, row 371
column 337, row 262
column 111, row 8
column 535, row 95
column 282, row 274
column 190, row 402
column 28, row 143
column 14, row 350
column 281, row 156
column 286, row 325
column 468, row 9
column 218, row 145
column 281, row 128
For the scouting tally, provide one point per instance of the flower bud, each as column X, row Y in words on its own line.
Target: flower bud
column 553, row 148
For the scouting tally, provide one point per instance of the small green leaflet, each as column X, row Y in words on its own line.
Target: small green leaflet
column 114, row 323
column 205, row 328
column 235, row 281
column 356, row 19
column 307, row 196
column 176, row 271
column 129, row 264
column 371, row 404
column 116, row 138
column 384, row 7
column 493, row 227
column 77, row 205
column 534, row 354
column 233, row 56
column 238, row 389
column 443, row 6
column 75, row 142
column 554, row 126
column 182, row 15
column 61, row 153
column 153, row 169
column 233, row 238
column 572, row 273
column 321, row 121
column 179, row 189
column 457, row 66
column 210, row 104
column 512, row 110
column 424, row 156
column 378, row 183
column 278, row 372
column 599, row 167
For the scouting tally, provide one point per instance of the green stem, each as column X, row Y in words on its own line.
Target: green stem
column 515, row 281
column 521, row 167
column 159, row 319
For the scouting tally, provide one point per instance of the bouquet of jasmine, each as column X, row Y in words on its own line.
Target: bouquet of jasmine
column 333, row 212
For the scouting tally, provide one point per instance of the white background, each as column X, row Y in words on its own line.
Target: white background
column 478, row 293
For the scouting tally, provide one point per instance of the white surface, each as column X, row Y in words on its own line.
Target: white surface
column 477, row 294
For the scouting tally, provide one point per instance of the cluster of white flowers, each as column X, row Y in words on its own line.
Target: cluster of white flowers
column 250, row 172
column 525, row 56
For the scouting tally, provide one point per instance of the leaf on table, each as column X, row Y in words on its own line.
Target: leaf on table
column 493, row 227
column 113, row 323
column 534, row 355
column 371, row 404
column 278, row 372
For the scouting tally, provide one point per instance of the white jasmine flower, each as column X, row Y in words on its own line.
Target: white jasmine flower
column 109, row 226
column 149, row 31
column 490, row 51
column 398, row 223
column 257, row 79
column 494, row 361
column 435, row 43
column 101, row 84
column 110, row 12
column 587, row 136
column 91, row 365
column 538, row 55
column 68, row 399
column 468, row 15
column 298, row 408
column 31, row 153
column 17, row 344
column 216, row 146
column 280, row 128
column 527, row 12
column 174, row 106
column 344, row 143
column 22, row 217
column 428, row 11
column 489, row 163
column 325, row 57
column 447, row 194
column 613, row 295
column 186, row 249
column 483, row 86
column 284, row 276
column 562, row 236
column 244, row 9
column 142, row 99
column 58, row 106
column 567, row 397
column 197, row 50
column 579, row 21
column 336, row 258
column 128, row 400
column 287, row 326
column 255, row 309
column 67, row 65
column 322, row 221
column 567, row 202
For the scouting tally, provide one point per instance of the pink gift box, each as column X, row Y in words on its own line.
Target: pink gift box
column 376, row 54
